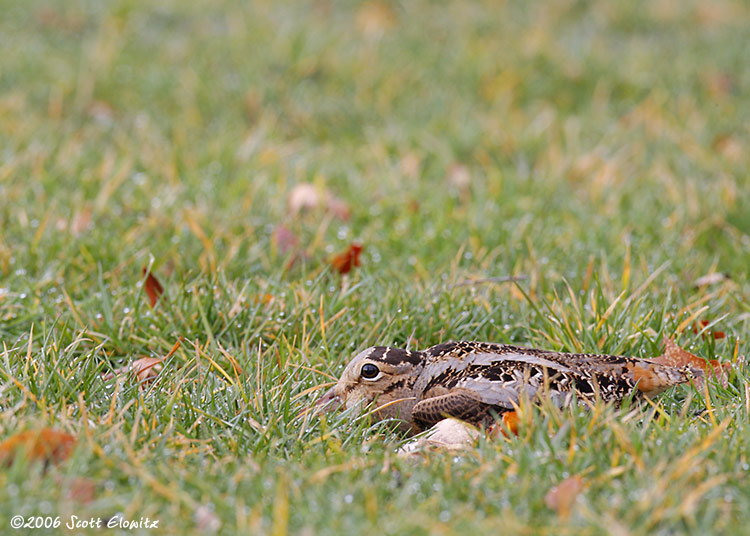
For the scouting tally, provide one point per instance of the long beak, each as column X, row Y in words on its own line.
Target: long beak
column 330, row 401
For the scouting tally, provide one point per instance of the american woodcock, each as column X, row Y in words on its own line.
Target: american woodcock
column 478, row 382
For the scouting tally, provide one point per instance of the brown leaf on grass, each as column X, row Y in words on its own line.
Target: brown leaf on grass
column 101, row 112
column 265, row 299
column 459, row 177
column 508, row 424
column 145, row 369
column 306, row 196
column 713, row 278
column 338, row 208
column 283, row 239
column 206, row 520
column 79, row 489
column 287, row 243
column 374, row 18
column 344, row 262
column 52, row 19
column 729, row 147
column 698, row 327
column 562, row 497
column 718, row 84
column 410, row 165
column 81, row 220
column 303, row 197
column 674, row 356
column 153, row 288
column 47, row 445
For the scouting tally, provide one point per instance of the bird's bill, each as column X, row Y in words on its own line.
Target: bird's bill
column 330, row 401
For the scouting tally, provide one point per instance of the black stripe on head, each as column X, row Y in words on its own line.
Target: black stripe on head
column 376, row 353
column 394, row 356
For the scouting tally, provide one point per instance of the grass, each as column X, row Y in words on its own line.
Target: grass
column 606, row 148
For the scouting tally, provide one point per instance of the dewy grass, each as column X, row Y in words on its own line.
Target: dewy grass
column 599, row 150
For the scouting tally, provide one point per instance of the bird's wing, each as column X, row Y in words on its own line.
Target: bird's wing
column 458, row 403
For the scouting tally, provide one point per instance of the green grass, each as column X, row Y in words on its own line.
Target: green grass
column 605, row 142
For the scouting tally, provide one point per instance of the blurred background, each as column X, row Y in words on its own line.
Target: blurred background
column 513, row 132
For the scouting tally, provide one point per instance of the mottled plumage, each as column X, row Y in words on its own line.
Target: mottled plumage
column 477, row 381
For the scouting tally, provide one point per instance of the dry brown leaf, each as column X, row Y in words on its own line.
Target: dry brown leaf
column 562, row 497
column 52, row 19
column 714, row 278
column 718, row 84
column 303, row 196
column 729, row 147
column 47, row 444
column 674, row 356
column 458, row 176
column 306, row 196
column 338, row 208
column 206, row 520
column 699, row 326
column 411, row 165
column 265, row 299
column 81, row 220
column 153, row 288
column 374, row 18
column 101, row 111
column 145, row 369
column 79, row 489
column 509, row 424
column 344, row 262
column 284, row 239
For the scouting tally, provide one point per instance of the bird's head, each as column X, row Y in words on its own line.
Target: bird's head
column 379, row 375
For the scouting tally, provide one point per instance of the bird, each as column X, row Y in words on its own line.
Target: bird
column 482, row 382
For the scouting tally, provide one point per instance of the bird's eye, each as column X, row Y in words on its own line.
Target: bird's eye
column 369, row 371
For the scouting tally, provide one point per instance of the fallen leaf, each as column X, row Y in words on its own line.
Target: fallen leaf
column 674, row 356
column 265, row 299
column 338, row 208
column 47, row 444
column 101, row 112
column 154, row 290
column 459, row 177
column 410, row 165
column 306, row 196
column 698, row 327
column 303, row 196
column 145, row 369
column 81, row 221
column 509, row 424
column 283, row 239
column 206, row 520
column 344, row 262
column 52, row 19
column 562, row 497
column 374, row 18
column 79, row 489
column 718, row 84
column 729, row 147
column 713, row 278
